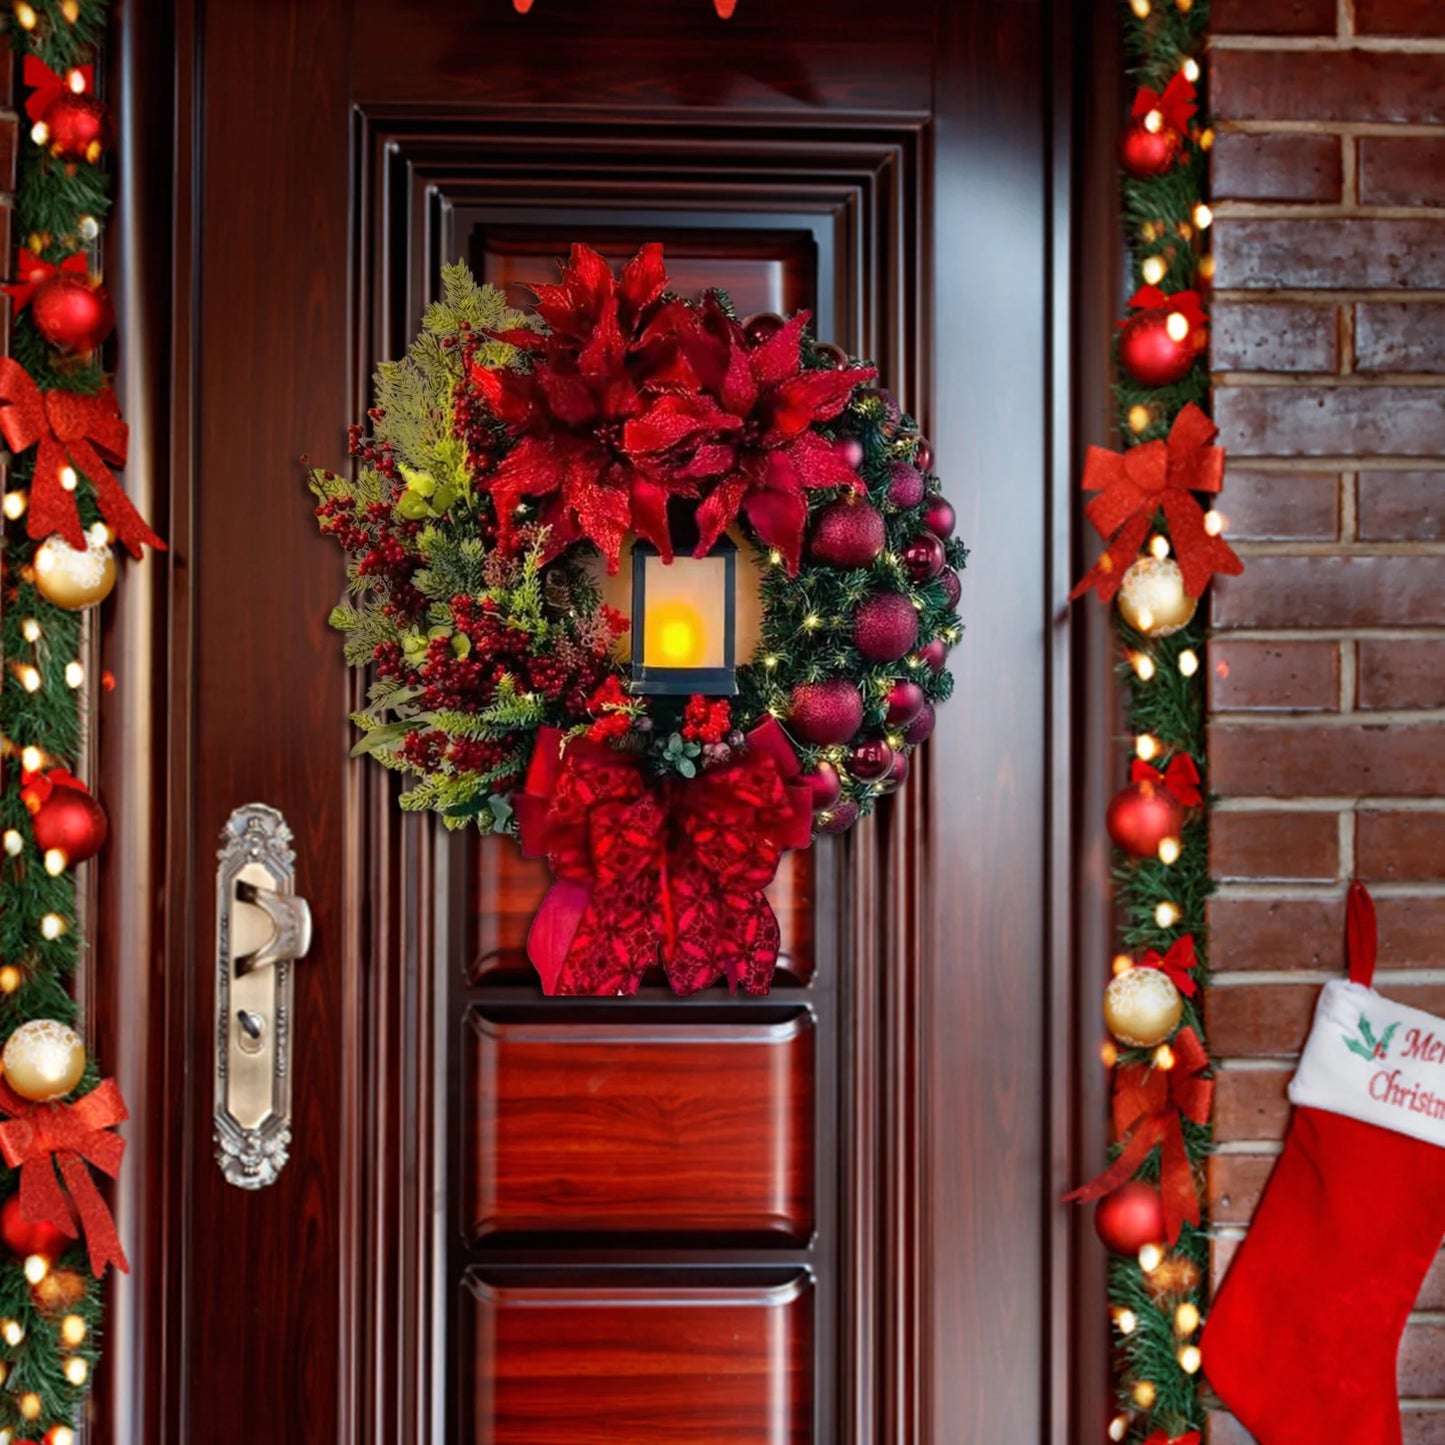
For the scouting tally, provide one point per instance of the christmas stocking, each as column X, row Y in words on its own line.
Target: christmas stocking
column 1302, row 1339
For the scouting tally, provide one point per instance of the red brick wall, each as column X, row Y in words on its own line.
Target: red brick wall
column 1327, row 740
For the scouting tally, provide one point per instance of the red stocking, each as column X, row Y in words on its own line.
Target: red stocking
column 1302, row 1339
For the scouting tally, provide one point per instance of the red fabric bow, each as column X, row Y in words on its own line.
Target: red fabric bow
column 1150, row 1106
column 1176, row 964
column 1180, row 777
column 36, row 788
column 49, row 87
column 1133, row 485
column 648, row 869
column 1186, row 303
column 71, row 429
column 1175, row 104
column 71, row 1134
column 31, row 271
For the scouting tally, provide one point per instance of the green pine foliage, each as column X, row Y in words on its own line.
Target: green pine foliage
column 52, row 203
column 1160, row 221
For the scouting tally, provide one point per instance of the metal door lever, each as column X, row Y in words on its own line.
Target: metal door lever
column 291, row 937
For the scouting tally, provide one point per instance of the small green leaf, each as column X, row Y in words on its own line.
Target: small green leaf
column 379, row 737
column 687, row 767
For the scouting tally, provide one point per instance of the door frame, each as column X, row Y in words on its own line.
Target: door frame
column 963, row 1266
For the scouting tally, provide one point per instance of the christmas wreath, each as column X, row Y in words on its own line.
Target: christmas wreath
column 767, row 501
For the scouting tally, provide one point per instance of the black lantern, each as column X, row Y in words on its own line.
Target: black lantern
column 684, row 621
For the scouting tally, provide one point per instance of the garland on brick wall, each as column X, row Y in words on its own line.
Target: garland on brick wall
column 1152, row 504
column 63, row 508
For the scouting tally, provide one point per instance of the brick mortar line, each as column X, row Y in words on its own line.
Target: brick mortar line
column 1422, row 461
column 1285, row 466
column 1325, row 296
column 1344, row 129
column 1328, row 634
column 1250, row 1066
column 1321, row 211
column 1340, row 549
column 1294, row 890
column 1293, row 721
column 1309, row 977
column 1257, row 1148
column 1349, row 498
column 1331, row 380
column 1330, row 44
column 1259, row 803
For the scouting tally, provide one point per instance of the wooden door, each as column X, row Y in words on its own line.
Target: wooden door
column 819, row 1217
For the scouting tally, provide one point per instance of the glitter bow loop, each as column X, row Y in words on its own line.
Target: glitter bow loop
column 32, row 271
column 70, row 431
column 650, row 870
column 47, row 87
column 1150, row 1106
column 1180, row 777
column 39, row 1138
column 1177, row 965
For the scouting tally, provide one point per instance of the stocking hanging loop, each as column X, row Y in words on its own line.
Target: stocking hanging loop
column 1360, row 935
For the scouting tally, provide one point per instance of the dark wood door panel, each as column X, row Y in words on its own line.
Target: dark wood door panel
column 702, row 1129
column 727, row 1362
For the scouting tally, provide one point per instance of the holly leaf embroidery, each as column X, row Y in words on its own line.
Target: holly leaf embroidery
column 1389, row 1034
column 1356, row 1047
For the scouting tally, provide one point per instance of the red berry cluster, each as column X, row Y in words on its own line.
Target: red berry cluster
column 705, row 721
column 612, row 710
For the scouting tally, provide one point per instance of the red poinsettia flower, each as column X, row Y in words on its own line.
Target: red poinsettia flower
column 606, row 414
column 766, row 466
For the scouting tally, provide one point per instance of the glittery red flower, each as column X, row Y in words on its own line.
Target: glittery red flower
column 766, row 466
column 706, row 720
column 605, row 416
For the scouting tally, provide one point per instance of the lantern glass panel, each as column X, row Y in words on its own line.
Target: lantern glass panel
column 683, row 622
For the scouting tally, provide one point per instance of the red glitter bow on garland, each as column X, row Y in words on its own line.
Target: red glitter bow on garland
column 71, row 430
column 1176, row 965
column 36, row 788
column 1186, row 303
column 49, row 87
column 1175, row 104
column 71, row 1135
column 1134, row 485
column 31, row 272
column 1180, row 777
column 1150, row 1105
column 647, row 868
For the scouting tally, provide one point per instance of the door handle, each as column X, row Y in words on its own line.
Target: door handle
column 262, row 928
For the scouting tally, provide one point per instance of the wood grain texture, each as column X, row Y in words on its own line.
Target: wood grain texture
column 686, row 1128
column 628, row 1364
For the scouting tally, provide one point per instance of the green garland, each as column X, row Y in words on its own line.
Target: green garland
column 50, row 1326
column 1157, row 1360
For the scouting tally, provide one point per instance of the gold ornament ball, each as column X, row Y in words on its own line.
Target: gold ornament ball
column 43, row 1060
column 1152, row 597
column 1142, row 1007
column 72, row 578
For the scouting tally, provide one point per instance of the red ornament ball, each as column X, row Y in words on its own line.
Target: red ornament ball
column 824, row 713
column 934, row 654
column 923, row 557
column 838, row 819
column 72, row 821
column 923, row 457
column 1144, row 152
column 73, row 312
column 952, row 588
column 921, row 727
column 1150, row 354
column 905, row 702
column 1131, row 1217
column 847, row 534
column 23, row 1238
column 896, row 775
column 833, row 357
column 764, row 325
column 905, row 485
column 1142, row 816
column 939, row 518
column 827, row 786
column 870, row 760
column 79, row 128
column 885, row 627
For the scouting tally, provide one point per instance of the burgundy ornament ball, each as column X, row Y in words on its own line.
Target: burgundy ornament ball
column 765, row 324
column 886, row 400
column 850, row 451
column 905, row 485
column 871, row 760
column 847, row 534
column 939, row 518
column 934, row 654
column 1131, row 1217
column 23, row 1238
column 885, row 627
column 905, row 702
column 824, row 713
column 838, row 819
column 896, row 775
column 1145, row 153
column 1150, row 354
column 1142, row 816
column 923, row 456
column 79, row 128
column 833, row 357
column 827, row 786
column 921, row 727
column 923, row 557
column 71, row 821
column 952, row 588
column 70, row 311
